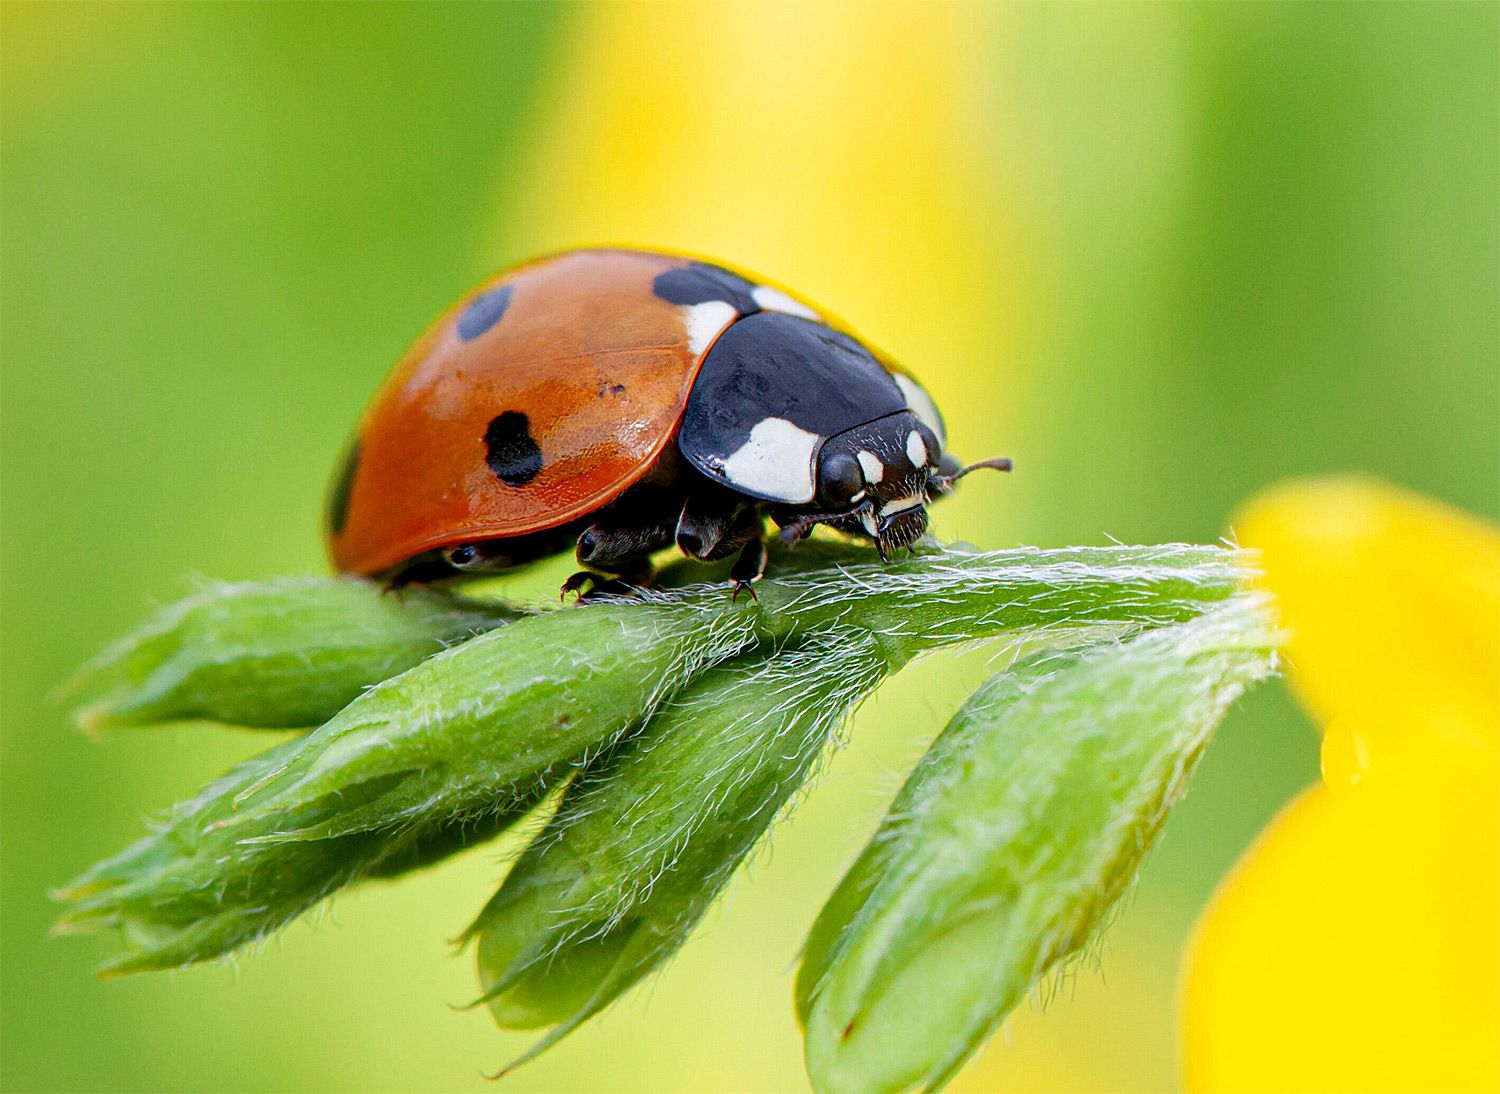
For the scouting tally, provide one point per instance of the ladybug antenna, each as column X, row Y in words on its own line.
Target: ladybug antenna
column 995, row 463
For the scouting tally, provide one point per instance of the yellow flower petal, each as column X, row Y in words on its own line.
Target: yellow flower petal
column 1393, row 603
column 1352, row 949
column 828, row 145
column 1355, row 945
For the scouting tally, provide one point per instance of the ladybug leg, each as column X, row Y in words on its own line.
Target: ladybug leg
column 620, row 549
column 617, row 547
column 748, row 568
column 591, row 586
column 581, row 583
column 714, row 526
column 795, row 531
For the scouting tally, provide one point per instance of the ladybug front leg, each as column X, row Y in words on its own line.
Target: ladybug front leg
column 748, row 568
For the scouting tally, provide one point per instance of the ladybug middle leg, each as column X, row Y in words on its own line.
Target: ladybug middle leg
column 715, row 526
column 590, row 586
column 612, row 547
column 620, row 547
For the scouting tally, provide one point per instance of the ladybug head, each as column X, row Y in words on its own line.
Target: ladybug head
column 877, row 480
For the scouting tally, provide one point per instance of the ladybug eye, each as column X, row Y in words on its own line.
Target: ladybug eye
column 840, row 481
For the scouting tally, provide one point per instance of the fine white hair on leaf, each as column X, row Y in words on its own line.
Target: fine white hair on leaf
column 442, row 720
column 677, row 808
column 1030, row 816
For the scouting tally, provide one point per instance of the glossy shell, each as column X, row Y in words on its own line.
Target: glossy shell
column 536, row 400
column 773, row 391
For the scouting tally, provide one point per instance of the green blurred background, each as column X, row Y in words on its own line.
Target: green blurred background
column 1161, row 255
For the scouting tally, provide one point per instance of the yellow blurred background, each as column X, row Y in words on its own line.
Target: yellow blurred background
column 1160, row 254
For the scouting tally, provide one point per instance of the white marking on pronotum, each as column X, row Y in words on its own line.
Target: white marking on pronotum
column 775, row 300
column 870, row 464
column 916, row 450
column 921, row 404
column 901, row 505
column 707, row 321
column 776, row 462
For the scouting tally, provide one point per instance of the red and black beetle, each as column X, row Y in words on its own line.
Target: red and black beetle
column 623, row 401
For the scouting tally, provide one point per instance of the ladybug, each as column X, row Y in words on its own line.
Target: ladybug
column 620, row 402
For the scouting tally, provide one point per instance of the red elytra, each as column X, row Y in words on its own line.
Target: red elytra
column 603, row 368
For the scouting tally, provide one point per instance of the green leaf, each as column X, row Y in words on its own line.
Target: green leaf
column 280, row 654
column 454, row 748
column 647, row 835
column 191, row 891
column 470, row 738
column 1010, row 843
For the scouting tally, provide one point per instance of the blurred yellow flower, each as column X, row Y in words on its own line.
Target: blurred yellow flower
column 1354, row 947
column 830, row 147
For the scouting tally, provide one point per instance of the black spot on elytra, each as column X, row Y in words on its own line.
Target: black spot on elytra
column 483, row 312
column 341, row 487
column 701, row 282
column 510, row 450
